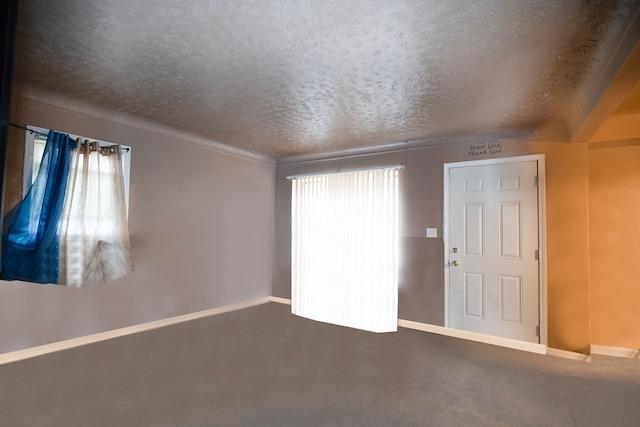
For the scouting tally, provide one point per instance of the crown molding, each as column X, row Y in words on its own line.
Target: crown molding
column 406, row 146
column 47, row 97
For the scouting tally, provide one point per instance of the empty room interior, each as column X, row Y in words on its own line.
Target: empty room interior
column 231, row 113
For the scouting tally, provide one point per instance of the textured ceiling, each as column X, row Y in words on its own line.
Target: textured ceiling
column 283, row 78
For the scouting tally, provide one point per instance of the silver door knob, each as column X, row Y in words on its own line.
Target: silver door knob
column 455, row 263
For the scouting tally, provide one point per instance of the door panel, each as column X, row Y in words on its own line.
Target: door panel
column 510, row 299
column 509, row 230
column 473, row 295
column 493, row 236
column 473, row 229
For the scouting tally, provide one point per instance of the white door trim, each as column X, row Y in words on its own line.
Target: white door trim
column 542, row 265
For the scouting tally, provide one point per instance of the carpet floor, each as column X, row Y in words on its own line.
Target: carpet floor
column 262, row 366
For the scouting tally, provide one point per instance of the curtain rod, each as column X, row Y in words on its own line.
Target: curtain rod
column 346, row 171
column 26, row 129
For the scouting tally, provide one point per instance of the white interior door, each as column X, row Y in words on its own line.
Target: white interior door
column 493, row 250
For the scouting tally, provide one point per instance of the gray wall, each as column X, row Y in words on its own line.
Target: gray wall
column 201, row 225
column 421, row 274
column 421, row 271
column 203, row 235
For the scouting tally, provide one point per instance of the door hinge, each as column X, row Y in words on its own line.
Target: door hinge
column 538, row 330
column 537, row 255
column 535, row 180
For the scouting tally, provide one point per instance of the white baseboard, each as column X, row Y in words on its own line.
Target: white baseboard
column 603, row 350
column 280, row 300
column 27, row 353
column 568, row 354
column 473, row 336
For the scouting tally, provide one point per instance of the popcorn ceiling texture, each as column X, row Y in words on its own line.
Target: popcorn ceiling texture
column 285, row 78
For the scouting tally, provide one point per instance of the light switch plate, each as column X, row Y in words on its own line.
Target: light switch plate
column 432, row 232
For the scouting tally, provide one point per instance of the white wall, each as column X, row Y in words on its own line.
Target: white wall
column 202, row 229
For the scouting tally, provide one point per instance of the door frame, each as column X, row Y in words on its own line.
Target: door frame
column 542, row 242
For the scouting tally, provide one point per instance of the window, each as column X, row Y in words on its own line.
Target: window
column 71, row 226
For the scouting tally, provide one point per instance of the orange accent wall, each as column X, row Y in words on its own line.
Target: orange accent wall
column 567, row 246
column 614, row 229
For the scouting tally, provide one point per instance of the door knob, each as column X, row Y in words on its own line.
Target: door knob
column 455, row 263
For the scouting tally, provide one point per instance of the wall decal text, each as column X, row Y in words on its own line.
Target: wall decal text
column 484, row 149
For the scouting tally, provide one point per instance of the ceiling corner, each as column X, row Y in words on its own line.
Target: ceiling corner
column 614, row 87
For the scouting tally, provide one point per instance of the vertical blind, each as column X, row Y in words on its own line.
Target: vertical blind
column 345, row 248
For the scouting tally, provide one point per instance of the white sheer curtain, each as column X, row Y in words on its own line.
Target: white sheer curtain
column 94, row 243
column 345, row 248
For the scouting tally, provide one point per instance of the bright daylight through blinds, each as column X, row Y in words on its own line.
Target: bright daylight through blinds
column 345, row 248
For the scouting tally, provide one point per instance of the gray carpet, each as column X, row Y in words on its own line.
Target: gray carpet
column 264, row 367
